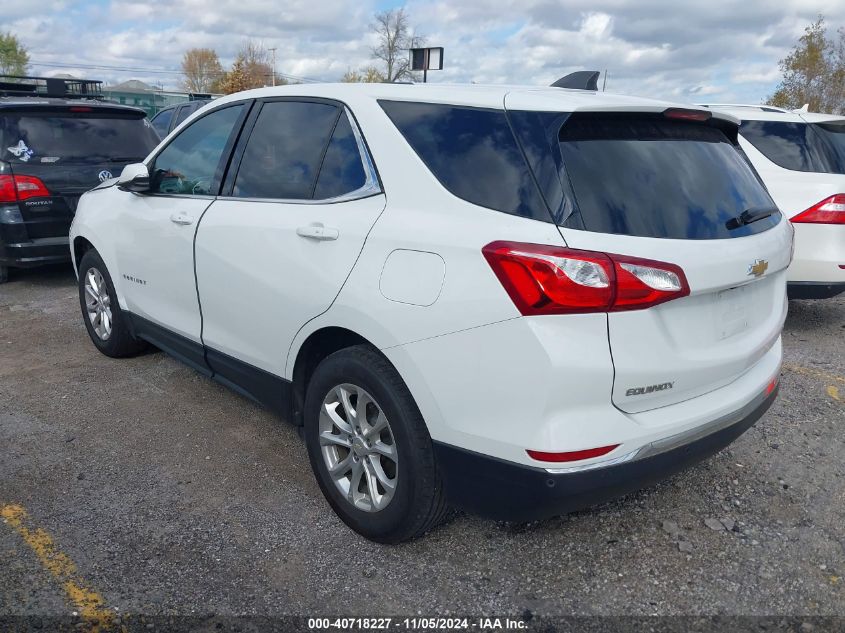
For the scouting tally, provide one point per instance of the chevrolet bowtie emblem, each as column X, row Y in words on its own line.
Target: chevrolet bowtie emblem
column 758, row 267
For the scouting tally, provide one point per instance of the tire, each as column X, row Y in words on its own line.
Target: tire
column 417, row 502
column 4, row 274
column 117, row 341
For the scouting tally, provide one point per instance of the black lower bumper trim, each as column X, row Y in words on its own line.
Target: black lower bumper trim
column 506, row 491
column 35, row 253
column 814, row 290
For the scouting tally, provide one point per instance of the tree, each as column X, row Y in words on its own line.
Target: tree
column 14, row 58
column 201, row 68
column 236, row 79
column 814, row 72
column 394, row 40
column 368, row 75
column 252, row 68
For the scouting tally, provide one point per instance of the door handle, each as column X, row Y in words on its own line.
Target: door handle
column 181, row 218
column 318, row 232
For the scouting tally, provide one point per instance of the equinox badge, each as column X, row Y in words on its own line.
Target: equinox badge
column 758, row 267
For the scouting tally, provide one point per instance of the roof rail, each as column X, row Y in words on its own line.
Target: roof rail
column 579, row 80
column 25, row 86
column 751, row 106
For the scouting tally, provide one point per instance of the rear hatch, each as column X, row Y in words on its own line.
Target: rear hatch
column 665, row 187
column 57, row 153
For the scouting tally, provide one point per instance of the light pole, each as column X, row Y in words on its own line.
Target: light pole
column 273, row 50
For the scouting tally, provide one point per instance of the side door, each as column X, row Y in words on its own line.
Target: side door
column 155, row 241
column 275, row 249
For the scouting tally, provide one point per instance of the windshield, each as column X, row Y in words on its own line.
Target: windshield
column 73, row 138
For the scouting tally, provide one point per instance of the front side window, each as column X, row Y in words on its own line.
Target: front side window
column 188, row 165
column 285, row 149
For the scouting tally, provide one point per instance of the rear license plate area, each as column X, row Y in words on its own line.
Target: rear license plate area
column 732, row 306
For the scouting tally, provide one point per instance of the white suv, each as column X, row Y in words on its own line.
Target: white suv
column 516, row 301
column 801, row 158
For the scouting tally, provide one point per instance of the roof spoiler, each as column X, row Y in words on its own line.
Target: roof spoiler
column 579, row 80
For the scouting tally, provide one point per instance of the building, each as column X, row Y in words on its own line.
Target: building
column 142, row 95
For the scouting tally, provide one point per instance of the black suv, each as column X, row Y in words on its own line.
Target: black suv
column 166, row 120
column 57, row 140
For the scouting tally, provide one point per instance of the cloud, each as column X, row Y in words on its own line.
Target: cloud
column 727, row 50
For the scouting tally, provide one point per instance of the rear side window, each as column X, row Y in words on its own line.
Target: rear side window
column 342, row 171
column 161, row 121
column 472, row 152
column 654, row 177
column 833, row 135
column 285, row 149
column 62, row 138
column 183, row 114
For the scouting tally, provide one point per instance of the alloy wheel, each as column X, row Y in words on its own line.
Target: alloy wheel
column 358, row 447
column 98, row 304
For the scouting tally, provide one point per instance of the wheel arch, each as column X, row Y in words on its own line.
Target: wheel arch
column 81, row 245
column 318, row 345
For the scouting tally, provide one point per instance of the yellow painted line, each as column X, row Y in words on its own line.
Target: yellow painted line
column 88, row 603
column 815, row 373
column 833, row 392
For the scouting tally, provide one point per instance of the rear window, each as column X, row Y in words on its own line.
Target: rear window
column 56, row 138
column 655, row 177
column 799, row 146
column 472, row 152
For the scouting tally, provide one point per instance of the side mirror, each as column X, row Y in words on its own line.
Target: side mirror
column 134, row 177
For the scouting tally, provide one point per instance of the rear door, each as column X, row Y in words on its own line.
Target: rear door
column 70, row 150
column 275, row 251
column 673, row 190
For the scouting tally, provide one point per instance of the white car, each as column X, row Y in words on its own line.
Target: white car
column 517, row 301
column 801, row 158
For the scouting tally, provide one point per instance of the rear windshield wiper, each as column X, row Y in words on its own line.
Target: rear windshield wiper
column 750, row 215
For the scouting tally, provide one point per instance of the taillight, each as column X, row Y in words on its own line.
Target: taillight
column 544, row 279
column 14, row 188
column 829, row 211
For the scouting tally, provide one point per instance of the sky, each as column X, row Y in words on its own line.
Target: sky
column 687, row 50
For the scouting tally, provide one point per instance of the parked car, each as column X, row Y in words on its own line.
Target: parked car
column 516, row 301
column 167, row 119
column 801, row 158
column 51, row 151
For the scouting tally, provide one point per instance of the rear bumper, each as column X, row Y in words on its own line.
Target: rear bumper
column 51, row 250
column 508, row 491
column 814, row 289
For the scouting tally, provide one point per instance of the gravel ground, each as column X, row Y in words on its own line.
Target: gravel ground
column 173, row 495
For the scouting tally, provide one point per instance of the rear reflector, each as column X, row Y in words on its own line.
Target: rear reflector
column 829, row 211
column 771, row 386
column 687, row 115
column 15, row 188
column 571, row 456
column 543, row 279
